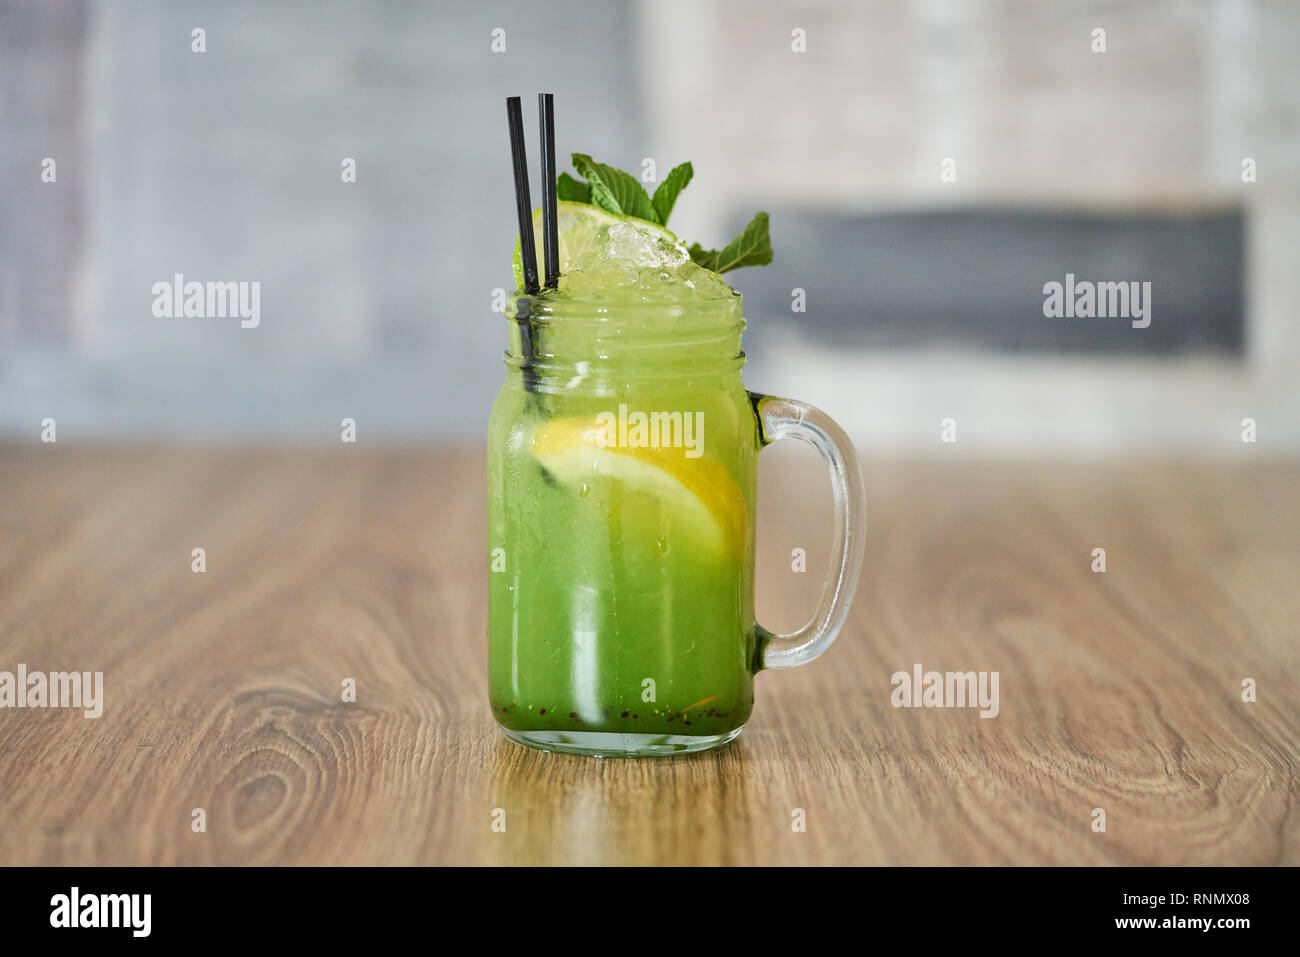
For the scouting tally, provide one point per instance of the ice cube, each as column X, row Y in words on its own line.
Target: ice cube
column 628, row 246
column 628, row 258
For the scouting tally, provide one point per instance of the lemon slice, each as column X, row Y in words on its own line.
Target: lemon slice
column 704, row 505
column 577, row 225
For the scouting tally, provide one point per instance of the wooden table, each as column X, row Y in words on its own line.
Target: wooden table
column 1119, row 691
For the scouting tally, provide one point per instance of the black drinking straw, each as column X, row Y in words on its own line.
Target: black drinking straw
column 550, row 233
column 523, row 204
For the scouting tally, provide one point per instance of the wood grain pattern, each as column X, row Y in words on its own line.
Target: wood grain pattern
column 1119, row 691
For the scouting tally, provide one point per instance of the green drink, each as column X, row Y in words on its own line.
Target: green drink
column 622, row 457
column 620, row 492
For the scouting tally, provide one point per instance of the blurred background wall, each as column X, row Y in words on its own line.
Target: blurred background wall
column 929, row 165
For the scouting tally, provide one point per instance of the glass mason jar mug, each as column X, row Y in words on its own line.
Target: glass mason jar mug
column 622, row 456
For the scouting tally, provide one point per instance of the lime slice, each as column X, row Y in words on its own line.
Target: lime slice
column 701, row 500
column 578, row 224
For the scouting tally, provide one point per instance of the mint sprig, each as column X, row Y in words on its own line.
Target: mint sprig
column 571, row 190
column 666, row 195
column 614, row 190
column 753, row 247
column 622, row 194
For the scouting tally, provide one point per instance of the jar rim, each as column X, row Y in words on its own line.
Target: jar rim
column 559, row 343
column 542, row 309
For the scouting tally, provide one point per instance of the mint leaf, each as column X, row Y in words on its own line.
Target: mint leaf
column 708, row 258
column 572, row 190
column 666, row 195
column 753, row 247
column 614, row 190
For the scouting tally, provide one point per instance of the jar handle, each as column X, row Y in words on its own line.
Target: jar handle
column 780, row 418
